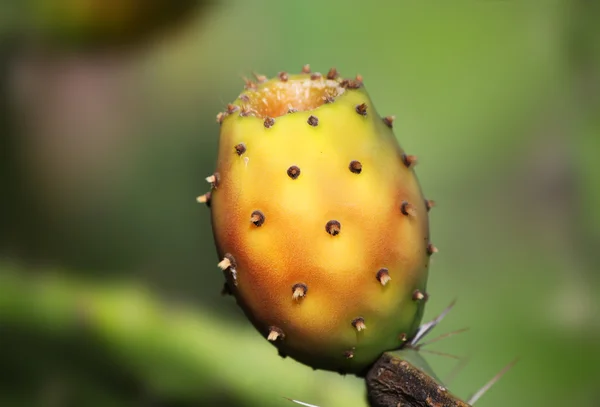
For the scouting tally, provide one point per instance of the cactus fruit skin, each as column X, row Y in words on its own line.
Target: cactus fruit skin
column 319, row 221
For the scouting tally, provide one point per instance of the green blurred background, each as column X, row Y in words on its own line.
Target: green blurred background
column 109, row 291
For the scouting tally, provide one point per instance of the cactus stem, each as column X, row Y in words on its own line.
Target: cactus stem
column 275, row 333
column 383, row 275
column 313, row 121
column 315, row 76
column 240, row 148
column 389, row 121
column 258, row 218
column 429, row 204
column 355, row 167
column 408, row 209
column 409, row 160
column 231, row 108
column 205, row 199
column 299, row 290
column 293, row 172
column 269, row 122
column 306, row 68
column 431, row 249
column 419, row 296
column 359, row 324
column 283, row 76
column 333, row 227
column 349, row 354
column 332, row 74
column 362, row 109
column 213, row 179
column 259, row 78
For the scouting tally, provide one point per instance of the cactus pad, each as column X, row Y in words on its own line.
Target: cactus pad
column 320, row 225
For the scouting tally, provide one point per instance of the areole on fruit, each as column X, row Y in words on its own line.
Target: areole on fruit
column 319, row 221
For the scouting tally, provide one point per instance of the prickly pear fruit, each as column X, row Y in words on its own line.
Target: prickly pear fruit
column 319, row 220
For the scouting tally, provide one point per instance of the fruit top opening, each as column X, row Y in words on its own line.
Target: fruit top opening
column 276, row 98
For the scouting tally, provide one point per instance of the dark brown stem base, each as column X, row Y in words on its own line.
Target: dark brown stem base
column 395, row 382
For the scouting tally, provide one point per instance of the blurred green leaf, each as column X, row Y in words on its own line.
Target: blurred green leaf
column 174, row 351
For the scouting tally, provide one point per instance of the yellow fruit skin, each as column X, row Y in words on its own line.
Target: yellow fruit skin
column 292, row 245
